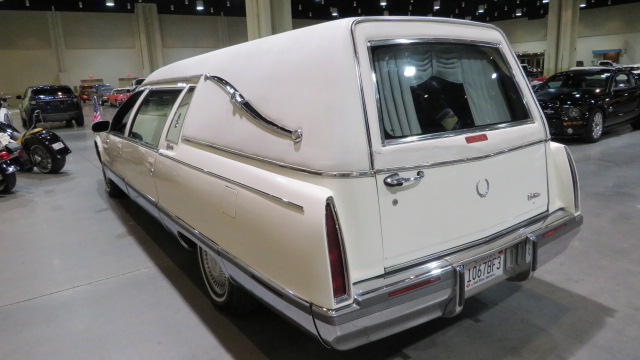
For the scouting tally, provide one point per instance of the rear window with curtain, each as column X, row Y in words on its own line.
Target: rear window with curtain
column 428, row 90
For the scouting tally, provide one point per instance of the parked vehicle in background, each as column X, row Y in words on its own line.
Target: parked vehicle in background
column 118, row 96
column 530, row 72
column 137, row 82
column 45, row 148
column 357, row 199
column 86, row 92
column 55, row 102
column 103, row 93
column 584, row 101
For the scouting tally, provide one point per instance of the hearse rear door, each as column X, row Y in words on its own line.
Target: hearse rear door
column 457, row 155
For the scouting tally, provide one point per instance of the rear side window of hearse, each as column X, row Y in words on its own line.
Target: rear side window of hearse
column 434, row 89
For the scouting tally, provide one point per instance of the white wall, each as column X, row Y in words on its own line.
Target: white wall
column 186, row 36
column 105, row 45
column 614, row 27
column 27, row 56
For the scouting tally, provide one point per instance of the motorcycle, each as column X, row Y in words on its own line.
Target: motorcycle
column 5, row 115
column 46, row 149
column 12, row 159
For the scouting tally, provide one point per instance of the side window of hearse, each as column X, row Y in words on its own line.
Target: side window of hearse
column 154, row 111
column 431, row 88
column 173, row 134
column 122, row 116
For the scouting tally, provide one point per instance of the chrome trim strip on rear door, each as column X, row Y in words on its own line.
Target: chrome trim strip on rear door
column 459, row 161
column 207, row 172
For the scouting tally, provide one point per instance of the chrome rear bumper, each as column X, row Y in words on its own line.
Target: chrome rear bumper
column 395, row 302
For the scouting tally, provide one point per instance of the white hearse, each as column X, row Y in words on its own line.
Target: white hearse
column 360, row 177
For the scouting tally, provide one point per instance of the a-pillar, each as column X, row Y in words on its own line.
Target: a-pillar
column 562, row 36
column 267, row 17
column 149, row 37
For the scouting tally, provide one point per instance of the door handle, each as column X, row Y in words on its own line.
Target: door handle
column 397, row 180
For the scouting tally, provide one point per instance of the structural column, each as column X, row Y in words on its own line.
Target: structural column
column 562, row 36
column 150, row 37
column 267, row 17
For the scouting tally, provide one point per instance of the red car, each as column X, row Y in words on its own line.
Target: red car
column 118, row 96
column 86, row 92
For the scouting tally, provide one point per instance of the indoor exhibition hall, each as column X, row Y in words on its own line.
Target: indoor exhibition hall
column 319, row 179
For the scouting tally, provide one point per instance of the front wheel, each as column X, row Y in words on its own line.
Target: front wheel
column 223, row 291
column 7, row 182
column 80, row 120
column 595, row 127
column 45, row 161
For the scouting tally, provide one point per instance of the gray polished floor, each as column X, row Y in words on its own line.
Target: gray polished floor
column 83, row 276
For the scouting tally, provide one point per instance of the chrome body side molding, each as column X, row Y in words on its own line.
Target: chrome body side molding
column 210, row 173
column 339, row 174
column 360, row 173
column 240, row 101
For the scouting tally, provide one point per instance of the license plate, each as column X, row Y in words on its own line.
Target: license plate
column 483, row 269
column 57, row 146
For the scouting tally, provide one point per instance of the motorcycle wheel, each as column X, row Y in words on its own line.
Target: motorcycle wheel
column 7, row 182
column 45, row 161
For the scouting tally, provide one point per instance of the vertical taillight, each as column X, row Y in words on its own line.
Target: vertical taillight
column 336, row 256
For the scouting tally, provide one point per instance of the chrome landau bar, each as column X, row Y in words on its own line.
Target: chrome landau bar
column 240, row 101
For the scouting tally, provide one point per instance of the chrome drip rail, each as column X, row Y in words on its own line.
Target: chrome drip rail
column 240, row 101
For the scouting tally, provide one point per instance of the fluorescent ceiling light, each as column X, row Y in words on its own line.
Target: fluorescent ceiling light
column 436, row 5
column 199, row 5
column 110, row 3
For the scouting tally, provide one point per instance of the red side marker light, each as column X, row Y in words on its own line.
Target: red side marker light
column 414, row 286
column 476, row 138
column 550, row 232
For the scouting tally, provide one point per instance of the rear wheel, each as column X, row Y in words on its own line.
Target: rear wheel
column 595, row 127
column 223, row 291
column 45, row 161
column 636, row 123
column 7, row 182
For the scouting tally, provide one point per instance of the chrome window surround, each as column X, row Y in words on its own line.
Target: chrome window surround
column 210, row 173
column 574, row 178
column 343, row 249
column 411, row 139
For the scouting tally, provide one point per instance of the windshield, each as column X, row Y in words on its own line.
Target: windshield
column 578, row 80
column 53, row 91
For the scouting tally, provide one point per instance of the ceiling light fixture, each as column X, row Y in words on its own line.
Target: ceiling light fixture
column 436, row 5
column 518, row 12
column 583, row 3
column 199, row 5
column 111, row 3
column 545, row 1
column 480, row 8
column 383, row 2
column 334, row 11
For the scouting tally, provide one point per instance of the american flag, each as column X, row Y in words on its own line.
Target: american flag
column 96, row 110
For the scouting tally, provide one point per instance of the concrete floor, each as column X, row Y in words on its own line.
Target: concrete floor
column 83, row 276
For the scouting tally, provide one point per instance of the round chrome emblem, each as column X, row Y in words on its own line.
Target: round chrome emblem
column 482, row 188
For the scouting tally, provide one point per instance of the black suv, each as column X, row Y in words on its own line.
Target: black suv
column 56, row 103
